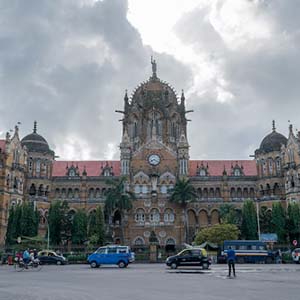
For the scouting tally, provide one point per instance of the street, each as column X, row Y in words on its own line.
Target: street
column 150, row 281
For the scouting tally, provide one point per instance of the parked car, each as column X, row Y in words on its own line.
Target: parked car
column 51, row 257
column 296, row 255
column 189, row 257
column 112, row 255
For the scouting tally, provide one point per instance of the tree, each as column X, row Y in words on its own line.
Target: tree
column 183, row 193
column 120, row 199
column 265, row 220
column 249, row 221
column 278, row 221
column 60, row 222
column 29, row 221
column 217, row 234
column 230, row 215
column 79, row 228
column 22, row 221
column 54, row 220
column 293, row 221
column 10, row 232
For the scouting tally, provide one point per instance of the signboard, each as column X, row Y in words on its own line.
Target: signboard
column 269, row 237
column 295, row 243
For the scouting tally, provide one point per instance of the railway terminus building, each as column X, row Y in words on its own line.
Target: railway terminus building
column 154, row 151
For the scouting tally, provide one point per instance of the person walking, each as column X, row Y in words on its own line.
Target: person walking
column 231, row 258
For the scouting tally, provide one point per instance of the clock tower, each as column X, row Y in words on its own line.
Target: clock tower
column 154, row 152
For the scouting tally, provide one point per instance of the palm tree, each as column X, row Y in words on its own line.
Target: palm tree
column 118, row 199
column 183, row 193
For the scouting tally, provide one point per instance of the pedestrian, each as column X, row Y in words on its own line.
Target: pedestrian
column 231, row 258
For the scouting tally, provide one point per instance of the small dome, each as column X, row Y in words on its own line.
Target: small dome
column 273, row 141
column 35, row 142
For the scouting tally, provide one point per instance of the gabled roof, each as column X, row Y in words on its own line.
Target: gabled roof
column 216, row 167
column 93, row 168
column 2, row 145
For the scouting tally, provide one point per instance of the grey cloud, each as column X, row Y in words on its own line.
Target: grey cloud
column 67, row 64
column 263, row 80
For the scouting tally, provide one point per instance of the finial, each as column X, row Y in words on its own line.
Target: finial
column 273, row 126
column 154, row 67
column 291, row 128
column 126, row 96
column 35, row 127
column 182, row 96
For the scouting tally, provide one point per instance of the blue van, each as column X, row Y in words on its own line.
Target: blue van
column 111, row 255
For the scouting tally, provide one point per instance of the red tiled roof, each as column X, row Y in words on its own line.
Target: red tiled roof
column 2, row 144
column 93, row 168
column 216, row 167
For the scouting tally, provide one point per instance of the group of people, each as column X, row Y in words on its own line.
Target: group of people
column 27, row 255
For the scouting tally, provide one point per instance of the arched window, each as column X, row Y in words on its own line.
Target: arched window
column 202, row 172
column 144, row 189
column 140, row 215
column 139, row 241
column 137, row 189
column 38, row 166
column 270, row 166
column 163, row 189
column 278, row 165
column 237, row 172
column 169, row 216
column 154, row 215
column 232, row 193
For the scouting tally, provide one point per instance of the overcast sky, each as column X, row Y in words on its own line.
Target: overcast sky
column 67, row 63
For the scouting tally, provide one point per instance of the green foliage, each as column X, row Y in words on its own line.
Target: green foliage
column 79, row 228
column 230, row 215
column 265, row 220
column 249, row 221
column 183, row 192
column 23, row 220
column 118, row 197
column 60, row 222
column 96, row 227
column 279, row 221
column 217, row 234
column 293, row 221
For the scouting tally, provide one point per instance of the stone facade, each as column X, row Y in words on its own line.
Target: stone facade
column 154, row 151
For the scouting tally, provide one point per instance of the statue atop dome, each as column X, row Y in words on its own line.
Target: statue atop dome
column 154, row 68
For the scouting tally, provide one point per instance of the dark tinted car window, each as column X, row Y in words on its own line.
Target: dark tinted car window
column 186, row 253
column 196, row 252
column 112, row 250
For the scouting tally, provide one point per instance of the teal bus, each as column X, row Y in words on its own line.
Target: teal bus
column 249, row 251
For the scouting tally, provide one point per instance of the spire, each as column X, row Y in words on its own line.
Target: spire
column 273, row 126
column 291, row 128
column 182, row 97
column 154, row 68
column 126, row 97
column 35, row 127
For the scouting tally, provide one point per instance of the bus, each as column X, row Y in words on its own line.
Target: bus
column 249, row 251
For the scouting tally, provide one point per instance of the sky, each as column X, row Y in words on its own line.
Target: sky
column 67, row 64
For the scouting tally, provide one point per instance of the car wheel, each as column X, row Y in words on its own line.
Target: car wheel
column 122, row 264
column 173, row 266
column 59, row 263
column 94, row 264
column 205, row 266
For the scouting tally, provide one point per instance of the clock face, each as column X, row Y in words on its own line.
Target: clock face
column 154, row 159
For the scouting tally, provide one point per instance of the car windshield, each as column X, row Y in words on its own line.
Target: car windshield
column 101, row 250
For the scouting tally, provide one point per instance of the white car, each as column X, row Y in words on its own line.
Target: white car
column 296, row 255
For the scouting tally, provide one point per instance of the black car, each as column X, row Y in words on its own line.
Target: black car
column 189, row 257
column 51, row 257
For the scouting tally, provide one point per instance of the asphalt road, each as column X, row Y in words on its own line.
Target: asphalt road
column 150, row 281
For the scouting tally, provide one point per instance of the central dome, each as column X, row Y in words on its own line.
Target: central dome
column 153, row 91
